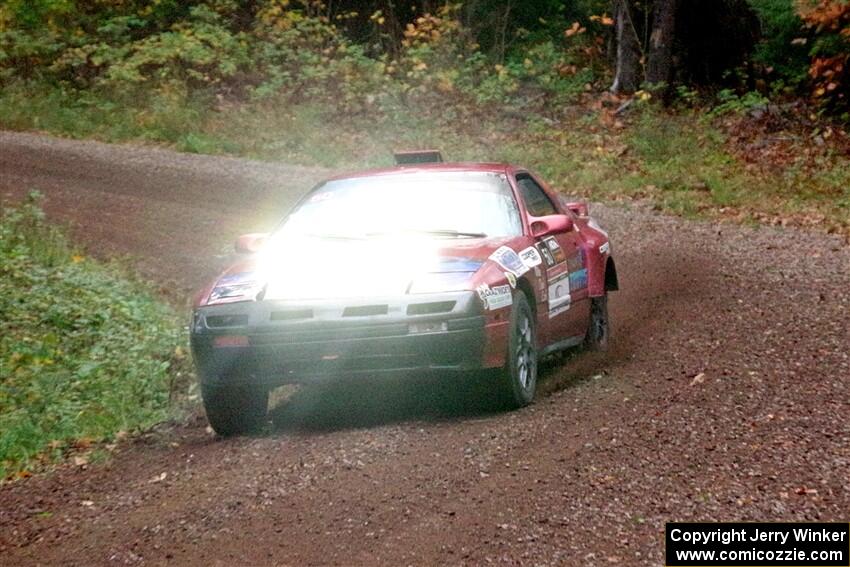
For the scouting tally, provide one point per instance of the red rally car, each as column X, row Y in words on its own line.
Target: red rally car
column 426, row 266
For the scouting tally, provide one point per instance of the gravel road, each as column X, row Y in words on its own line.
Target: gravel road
column 725, row 397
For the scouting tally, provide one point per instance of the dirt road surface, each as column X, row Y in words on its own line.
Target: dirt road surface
column 725, row 397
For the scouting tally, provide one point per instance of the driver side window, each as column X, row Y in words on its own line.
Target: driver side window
column 536, row 200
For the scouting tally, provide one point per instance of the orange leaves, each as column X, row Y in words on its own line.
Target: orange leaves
column 276, row 14
column 830, row 19
column 824, row 15
column 575, row 29
column 828, row 73
column 378, row 17
column 431, row 29
column 567, row 70
column 604, row 19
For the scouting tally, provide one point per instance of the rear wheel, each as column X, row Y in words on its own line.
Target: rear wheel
column 232, row 410
column 599, row 329
column 519, row 375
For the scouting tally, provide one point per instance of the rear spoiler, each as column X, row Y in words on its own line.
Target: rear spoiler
column 418, row 156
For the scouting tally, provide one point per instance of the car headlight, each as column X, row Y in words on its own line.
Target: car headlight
column 237, row 287
column 441, row 282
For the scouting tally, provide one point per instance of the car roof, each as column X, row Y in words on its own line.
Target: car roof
column 475, row 167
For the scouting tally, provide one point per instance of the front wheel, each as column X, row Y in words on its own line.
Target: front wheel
column 519, row 375
column 232, row 410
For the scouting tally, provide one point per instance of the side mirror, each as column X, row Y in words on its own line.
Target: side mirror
column 579, row 208
column 552, row 224
column 250, row 243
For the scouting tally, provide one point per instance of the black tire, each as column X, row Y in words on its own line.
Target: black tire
column 234, row 410
column 519, row 376
column 599, row 328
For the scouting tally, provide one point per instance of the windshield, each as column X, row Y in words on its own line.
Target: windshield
column 442, row 204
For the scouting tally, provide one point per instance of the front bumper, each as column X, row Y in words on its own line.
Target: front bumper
column 278, row 342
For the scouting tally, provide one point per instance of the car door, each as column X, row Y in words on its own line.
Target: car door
column 564, row 266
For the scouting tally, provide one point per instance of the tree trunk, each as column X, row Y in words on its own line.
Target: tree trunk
column 627, row 77
column 659, row 68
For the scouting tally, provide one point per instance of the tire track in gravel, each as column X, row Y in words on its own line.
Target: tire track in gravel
column 725, row 397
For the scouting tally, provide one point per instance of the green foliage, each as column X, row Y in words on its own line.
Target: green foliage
column 731, row 102
column 133, row 52
column 22, row 52
column 198, row 52
column 31, row 14
column 84, row 352
column 300, row 58
column 195, row 53
column 502, row 27
column 777, row 50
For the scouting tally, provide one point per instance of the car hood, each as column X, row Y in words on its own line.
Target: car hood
column 326, row 268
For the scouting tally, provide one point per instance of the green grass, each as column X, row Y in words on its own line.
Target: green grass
column 85, row 352
column 161, row 116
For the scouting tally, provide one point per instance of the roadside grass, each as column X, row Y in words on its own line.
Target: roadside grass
column 86, row 352
column 683, row 164
column 679, row 161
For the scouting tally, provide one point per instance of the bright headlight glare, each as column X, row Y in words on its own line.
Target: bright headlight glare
column 304, row 267
column 441, row 282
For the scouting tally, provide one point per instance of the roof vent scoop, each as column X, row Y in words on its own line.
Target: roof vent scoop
column 418, row 156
